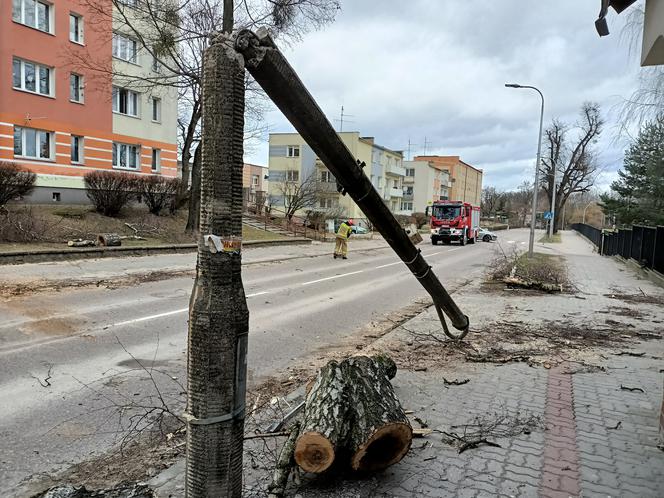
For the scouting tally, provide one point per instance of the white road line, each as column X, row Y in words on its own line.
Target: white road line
column 150, row 317
column 455, row 249
column 432, row 254
column 168, row 313
column 330, row 278
column 385, row 266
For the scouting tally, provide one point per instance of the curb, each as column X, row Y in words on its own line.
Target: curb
column 50, row 255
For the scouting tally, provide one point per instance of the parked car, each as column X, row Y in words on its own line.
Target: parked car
column 358, row 230
column 486, row 235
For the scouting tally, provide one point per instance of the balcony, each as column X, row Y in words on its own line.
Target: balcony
column 396, row 192
column 393, row 169
column 327, row 187
column 407, row 196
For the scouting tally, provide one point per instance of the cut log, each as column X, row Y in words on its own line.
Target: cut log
column 80, row 243
column 379, row 431
column 109, row 239
column 351, row 408
column 322, row 428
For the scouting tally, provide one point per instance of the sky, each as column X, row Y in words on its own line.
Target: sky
column 436, row 69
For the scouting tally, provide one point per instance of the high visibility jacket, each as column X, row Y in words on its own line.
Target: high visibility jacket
column 344, row 231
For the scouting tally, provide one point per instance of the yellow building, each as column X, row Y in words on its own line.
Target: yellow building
column 293, row 163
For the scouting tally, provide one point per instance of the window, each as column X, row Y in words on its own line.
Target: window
column 292, row 175
column 31, row 77
column 125, row 156
column 410, row 172
column 329, row 202
column 76, row 28
column 326, row 176
column 406, row 206
column 156, row 65
column 76, row 149
column 155, row 104
column 293, row 151
column 56, row 197
column 124, row 48
column 408, row 190
column 125, row 101
column 29, row 142
column 76, row 88
column 254, row 181
column 156, row 159
column 33, row 13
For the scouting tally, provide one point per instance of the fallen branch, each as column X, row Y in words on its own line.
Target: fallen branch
column 617, row 426
column 455, row 382
column 475, row 444
column 629, row 353
column 285, row 465
column 631, row 389
column 266, row 435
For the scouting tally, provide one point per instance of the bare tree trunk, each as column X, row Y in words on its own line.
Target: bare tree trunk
column 193, row 216
column 218, row 314
column 227, row 21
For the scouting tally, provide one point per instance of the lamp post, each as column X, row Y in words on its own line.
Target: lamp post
column 531, row 243
column 584, row 211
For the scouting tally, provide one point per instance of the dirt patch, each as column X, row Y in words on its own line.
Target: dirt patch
column 52, row 326
column 636, row 298
column 546, row 344
column 26, row 288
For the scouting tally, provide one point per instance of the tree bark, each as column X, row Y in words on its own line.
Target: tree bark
column 380, row 433
column 193, row 216
column 218, row 314
column 351, row 409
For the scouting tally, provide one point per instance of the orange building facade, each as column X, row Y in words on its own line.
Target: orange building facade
column 61, row 120
column 466, row 180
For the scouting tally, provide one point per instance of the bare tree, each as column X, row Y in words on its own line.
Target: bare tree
column 299, row 195
column 175, row 35
column 647, row 101
column 491, row 200
column 573, row 159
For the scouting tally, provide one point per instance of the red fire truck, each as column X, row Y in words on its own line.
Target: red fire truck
column 453, row 220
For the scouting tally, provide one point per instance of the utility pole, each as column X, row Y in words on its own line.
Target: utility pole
column 218, row 313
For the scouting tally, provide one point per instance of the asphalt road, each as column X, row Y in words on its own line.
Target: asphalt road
column 69, row 359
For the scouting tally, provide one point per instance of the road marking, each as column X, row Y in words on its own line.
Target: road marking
column 330, row 278
column 432, row 254
column 150, row 317
column 385, row 266
column 168, row 313
column 455, row 249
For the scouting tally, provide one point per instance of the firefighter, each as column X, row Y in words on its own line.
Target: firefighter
column 341, row 246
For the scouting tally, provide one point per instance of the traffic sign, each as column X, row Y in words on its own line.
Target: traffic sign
column 548, row 215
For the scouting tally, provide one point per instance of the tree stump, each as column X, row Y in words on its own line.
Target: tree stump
column 109, row 239
column 351, row 408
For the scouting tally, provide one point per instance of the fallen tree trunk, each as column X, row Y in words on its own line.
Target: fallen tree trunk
column 322, row 428
column 351, row 409
column 109, row 239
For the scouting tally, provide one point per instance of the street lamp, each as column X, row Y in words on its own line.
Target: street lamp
column 537, row 166
column 584, row 211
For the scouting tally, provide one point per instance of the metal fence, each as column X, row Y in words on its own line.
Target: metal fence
column 641, row 243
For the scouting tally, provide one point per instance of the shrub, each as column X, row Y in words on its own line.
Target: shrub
column 421, row 219
column 158, row 192
column 110, row 191
column 14, row 182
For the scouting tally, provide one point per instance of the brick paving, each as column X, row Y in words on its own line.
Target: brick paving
column 595, row 438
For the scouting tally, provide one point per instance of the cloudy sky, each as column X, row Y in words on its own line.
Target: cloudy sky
column 435, row 69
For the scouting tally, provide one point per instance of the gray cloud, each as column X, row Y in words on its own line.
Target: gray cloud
column 406, row 70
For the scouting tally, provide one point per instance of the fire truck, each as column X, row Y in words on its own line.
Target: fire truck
column 453, row 220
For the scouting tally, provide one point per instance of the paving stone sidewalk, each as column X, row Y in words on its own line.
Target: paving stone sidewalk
column 586, row 417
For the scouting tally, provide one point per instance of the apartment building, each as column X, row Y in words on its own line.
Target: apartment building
column 63, row 111
column 424, row 183
column 466, row 180
column 254, row 184
column 291, row 160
